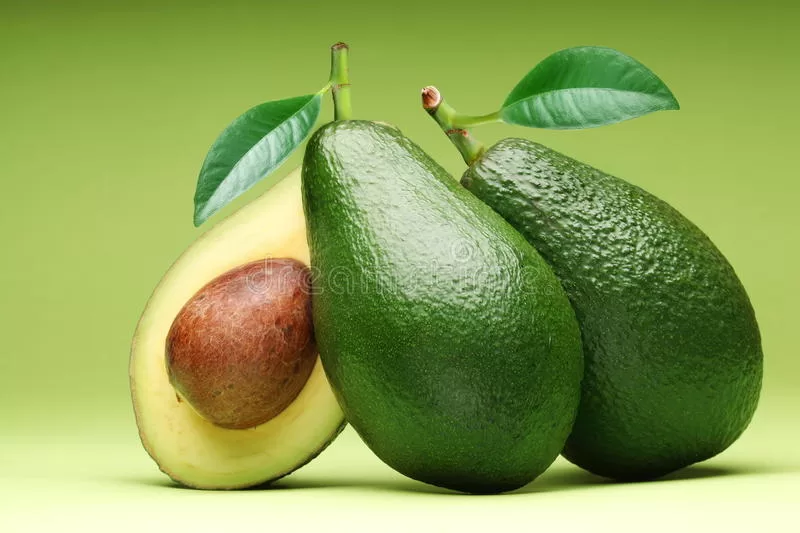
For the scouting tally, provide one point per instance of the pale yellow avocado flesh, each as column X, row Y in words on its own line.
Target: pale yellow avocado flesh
column 185, row 446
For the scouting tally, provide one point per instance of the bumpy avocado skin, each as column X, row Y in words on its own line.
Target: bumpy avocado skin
column 448, row 341
column 673, row 360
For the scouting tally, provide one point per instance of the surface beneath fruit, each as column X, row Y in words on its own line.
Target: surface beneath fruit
column 99, row 479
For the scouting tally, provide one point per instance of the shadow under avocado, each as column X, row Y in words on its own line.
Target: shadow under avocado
column 568, row 478
column 573, row 478
column 308, row 483
column 398, row 484
column 559, row 479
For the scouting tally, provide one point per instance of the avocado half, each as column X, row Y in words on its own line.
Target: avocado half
column 186, row 447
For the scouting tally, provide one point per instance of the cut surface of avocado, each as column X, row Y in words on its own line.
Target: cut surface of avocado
column 188, row 448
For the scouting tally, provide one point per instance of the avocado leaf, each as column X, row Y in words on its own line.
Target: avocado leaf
column 250, row 148
column 585, row 87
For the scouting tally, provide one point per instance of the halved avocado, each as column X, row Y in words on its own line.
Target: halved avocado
column 186, row 447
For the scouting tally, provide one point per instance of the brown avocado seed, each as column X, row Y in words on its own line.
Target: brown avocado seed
column 242, row 348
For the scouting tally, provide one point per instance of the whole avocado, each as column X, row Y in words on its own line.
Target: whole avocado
column 673, row 359
column 448, row 341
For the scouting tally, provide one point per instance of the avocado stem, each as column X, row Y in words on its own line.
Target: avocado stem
column 444, row 115
column 340, row 82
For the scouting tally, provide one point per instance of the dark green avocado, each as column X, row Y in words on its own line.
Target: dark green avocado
column 672, row 349
column 448, row 341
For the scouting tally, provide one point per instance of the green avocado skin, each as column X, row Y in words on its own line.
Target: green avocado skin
column 449, row 342
column 673, row 360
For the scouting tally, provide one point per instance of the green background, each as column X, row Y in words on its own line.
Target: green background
column 106, row 111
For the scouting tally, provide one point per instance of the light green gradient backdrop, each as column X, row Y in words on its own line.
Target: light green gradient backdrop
column 106, row 112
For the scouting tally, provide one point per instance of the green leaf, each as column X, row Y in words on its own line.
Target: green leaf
column 585, row 87
column 250, row 148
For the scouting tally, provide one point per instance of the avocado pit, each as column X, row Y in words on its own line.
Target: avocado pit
column 242, row 348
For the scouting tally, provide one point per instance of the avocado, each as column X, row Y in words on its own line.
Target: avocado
column 186, row 446
column 448, row 341
column 671, row 344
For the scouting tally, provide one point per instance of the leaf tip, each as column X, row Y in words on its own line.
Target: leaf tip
column 199, row 216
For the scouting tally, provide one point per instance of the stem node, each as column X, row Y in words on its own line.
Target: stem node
column 340, row 82
column 431, row 98
column 444, row 115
